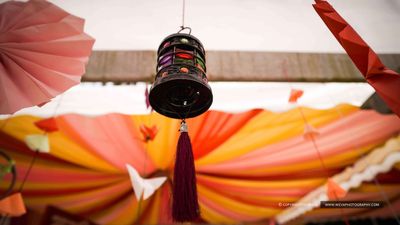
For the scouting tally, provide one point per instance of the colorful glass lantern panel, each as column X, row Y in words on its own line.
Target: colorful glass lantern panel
column 181, row 89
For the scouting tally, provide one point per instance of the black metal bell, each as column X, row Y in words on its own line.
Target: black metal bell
column 181, row 89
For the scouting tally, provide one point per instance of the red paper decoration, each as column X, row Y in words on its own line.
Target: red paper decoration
column 295, row 94
column 149, row 133
column 47, row 125
column 386, row 82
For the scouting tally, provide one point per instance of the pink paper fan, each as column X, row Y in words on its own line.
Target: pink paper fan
column 43, row 52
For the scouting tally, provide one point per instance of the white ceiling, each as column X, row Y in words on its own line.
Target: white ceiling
column 260, row 25
column 96, row 99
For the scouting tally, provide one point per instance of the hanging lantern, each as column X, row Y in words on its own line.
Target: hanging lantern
column 181, row 91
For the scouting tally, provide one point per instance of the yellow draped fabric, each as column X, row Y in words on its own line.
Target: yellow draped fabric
column 247, row 163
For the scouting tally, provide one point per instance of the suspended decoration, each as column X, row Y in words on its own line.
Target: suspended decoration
column 48, row 125
column 38, row 142
column 310, row 134
column 144, row 188
column 334, row 190
column 181, row 91
column 386, row 82
column 44, row 51
column 149, row 133
column 12, row 206
column 295, row 94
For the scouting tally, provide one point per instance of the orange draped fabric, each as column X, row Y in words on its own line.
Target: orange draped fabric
column 247, row 163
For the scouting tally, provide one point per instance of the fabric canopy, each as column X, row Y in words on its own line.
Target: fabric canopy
column 247, row 163
column 378, row 161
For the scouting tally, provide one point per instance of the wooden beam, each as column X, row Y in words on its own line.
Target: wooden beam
column 134, row 66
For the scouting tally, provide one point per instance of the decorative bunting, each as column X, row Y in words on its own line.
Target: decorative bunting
column 144, row 188
column 149, row 133
column 295, row 94
column 47, row 125
column 38, row 142
column 310, row 132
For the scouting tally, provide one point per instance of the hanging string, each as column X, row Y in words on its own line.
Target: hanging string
column 313, row 141
column 183, row 19
column 357, row 147
column 21, row 187
column 33, row 160
column 320, row 158
column 345, row 219
column 183, row 14
column 286, row 76
column 3, row 219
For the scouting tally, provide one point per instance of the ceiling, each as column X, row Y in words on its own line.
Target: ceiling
column 254, row 25
column 98, row 99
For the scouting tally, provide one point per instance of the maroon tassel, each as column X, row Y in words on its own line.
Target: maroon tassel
column 185, row 206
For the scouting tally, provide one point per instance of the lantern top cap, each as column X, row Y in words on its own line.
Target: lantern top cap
column 182, row 35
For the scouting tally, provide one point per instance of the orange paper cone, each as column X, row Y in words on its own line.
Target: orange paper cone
column 295, row 94
column 334, row 191
column 12, row 205
column 48, row 125
column 149, row 133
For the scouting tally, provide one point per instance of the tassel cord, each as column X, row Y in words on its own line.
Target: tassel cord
column 185, row 202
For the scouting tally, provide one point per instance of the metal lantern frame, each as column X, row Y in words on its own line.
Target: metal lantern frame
column 181, row 89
